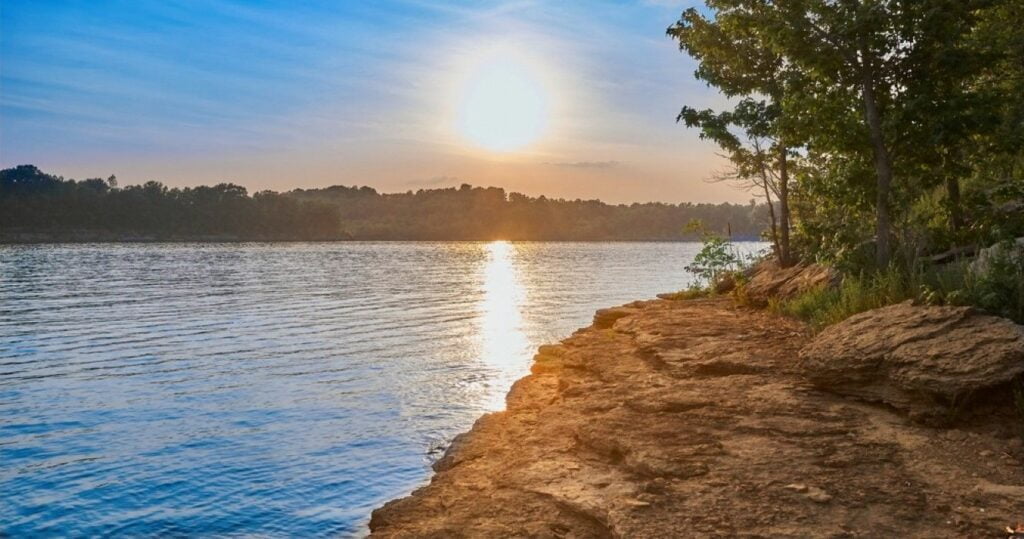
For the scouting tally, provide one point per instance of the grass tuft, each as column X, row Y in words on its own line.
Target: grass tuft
column 999, row 291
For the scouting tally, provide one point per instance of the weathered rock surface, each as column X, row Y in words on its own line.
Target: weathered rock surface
column 988, row 256
column 690, row 419
column 768, row 280
column 923, row 359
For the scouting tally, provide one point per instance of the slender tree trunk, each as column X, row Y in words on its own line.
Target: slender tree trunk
column 956, row 217
column 771, row 214
column 785, row 256
column 883, row 165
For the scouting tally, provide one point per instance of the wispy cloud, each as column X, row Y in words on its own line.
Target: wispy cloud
column 584, row 164
column 434, row 181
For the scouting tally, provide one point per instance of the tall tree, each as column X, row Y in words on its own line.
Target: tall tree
column 888, row 51
column 745, row 134
column 733, row 57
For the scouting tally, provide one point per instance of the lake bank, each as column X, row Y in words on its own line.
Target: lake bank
column 683, row 418
column 20, row 237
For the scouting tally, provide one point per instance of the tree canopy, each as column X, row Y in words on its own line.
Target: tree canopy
column 897, row 124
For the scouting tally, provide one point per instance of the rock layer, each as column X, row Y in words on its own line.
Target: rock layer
column 922, row 359
column 768, row 281
column 690, row 419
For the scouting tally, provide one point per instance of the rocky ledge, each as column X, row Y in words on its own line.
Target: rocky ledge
column 696, row 418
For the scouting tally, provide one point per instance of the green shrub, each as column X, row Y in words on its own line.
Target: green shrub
column 826, row 306
column 999, row 290
column 717, row 257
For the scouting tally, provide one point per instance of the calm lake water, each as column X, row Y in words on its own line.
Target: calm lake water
column 270, row 389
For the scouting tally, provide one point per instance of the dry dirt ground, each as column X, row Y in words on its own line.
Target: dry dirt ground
column 691, row 419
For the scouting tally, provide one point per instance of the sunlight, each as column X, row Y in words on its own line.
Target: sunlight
column 503, row 344
column 502, row 104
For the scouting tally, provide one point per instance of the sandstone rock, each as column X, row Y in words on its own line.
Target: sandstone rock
column 817, row 495
column 605, row 318
column 768, row 280
column 917, row 358
column 725, row 283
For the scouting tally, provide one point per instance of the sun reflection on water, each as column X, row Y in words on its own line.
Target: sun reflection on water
column 503, row 344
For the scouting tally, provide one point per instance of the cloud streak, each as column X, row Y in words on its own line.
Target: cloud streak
column 434, row 181
column 584, row 164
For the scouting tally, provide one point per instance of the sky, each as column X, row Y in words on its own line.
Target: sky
column 563, row 99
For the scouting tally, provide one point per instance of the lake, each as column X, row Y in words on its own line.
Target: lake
column 271, row 389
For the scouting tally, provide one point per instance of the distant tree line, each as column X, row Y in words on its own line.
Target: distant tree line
column 39, row 206
column 36, row 205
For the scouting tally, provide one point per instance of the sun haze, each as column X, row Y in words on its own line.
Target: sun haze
column 502, row 106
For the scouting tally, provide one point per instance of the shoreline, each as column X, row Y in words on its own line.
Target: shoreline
column 85, row 237
column 692, row 418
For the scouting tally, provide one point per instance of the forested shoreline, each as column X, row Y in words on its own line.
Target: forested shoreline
column 884, row 131
column 40, row 207
column 886, row 136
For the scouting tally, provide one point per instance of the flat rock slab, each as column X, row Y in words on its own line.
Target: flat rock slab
column 922, row 359
column 691, row 419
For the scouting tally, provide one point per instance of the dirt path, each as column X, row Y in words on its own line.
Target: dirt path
column 688, row 418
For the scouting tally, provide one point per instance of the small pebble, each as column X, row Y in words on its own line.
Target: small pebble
column 817, row 495
column 955, row 435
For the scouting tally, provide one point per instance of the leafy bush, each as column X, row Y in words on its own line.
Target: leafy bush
column 998, row 289
column 717, row 257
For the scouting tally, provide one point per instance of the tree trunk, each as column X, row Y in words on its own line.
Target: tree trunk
column 771, row 214
column 956, row 217
column 883, row 165
column 785, row 256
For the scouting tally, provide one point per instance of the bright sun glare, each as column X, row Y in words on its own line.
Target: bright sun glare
column 503, row 106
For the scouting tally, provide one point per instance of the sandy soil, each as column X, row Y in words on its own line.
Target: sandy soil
column 690, row 419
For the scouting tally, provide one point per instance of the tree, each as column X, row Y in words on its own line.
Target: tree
column 882, row 50
column 734, row 58
column 746, row 150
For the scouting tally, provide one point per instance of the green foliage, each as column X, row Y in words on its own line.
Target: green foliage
column 734, row 58
column 998, row 290
column 717, row 256
column 903, row 121
column 824, row 307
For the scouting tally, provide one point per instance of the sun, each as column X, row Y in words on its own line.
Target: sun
column 502, row 105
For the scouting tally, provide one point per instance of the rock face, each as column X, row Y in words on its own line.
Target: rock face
column 690, row 419
column 921, row 359
column 768, row 280
column 988, row 256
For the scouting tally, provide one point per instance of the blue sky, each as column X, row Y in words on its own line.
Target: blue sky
column 302, row 94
